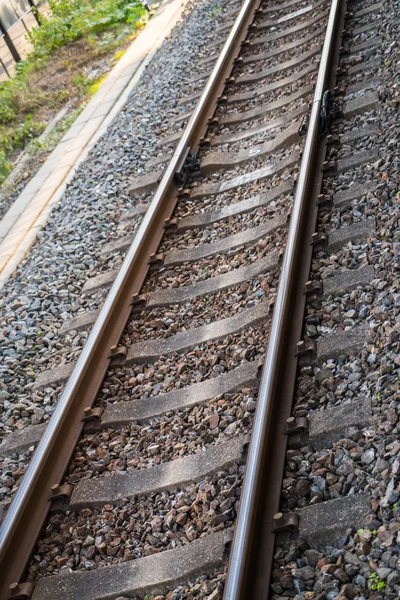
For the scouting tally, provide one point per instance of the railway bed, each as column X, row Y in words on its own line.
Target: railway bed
column 230, row 428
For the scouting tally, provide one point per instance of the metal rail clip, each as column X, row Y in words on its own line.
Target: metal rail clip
column 313, row 287
column 187, row 165
column 285, row 522
column 21, row 591
column 329, row 112
column 92, row 418
column 296, row 425
column 306, row 347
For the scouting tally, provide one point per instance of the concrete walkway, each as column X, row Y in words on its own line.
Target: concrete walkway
column 31, row 210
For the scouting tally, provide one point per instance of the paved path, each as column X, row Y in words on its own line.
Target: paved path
column 31, row 210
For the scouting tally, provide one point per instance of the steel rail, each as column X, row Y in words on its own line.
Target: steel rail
column 28, row 511
column 238, row 583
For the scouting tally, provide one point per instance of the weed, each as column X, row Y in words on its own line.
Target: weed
column 375, row 583
column 216, row 10
column 103, row 24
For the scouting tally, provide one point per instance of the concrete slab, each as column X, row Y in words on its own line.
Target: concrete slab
column 151, row 350
column 263, row 109
column 100, row 281
column 82, row 321
column 291, row 16
column 349, row 280
column 154, row 574
column 342, row 343
column 354, row 192
column 53, row 376
column 284, row 47
column 272, row 168
column 328, row 425
column 215, row 161
column 355, row 160
column 283, row 121
column 123, row 413
column 21, row 440
column 289, row 64
column 166, row 476
column 325, row 523
column 358, row 133
column 351, row 233
column 365, row 67
column 177, row 257
column 280, row 84
column 207, row 218
column 272, row 37
column 364, row 103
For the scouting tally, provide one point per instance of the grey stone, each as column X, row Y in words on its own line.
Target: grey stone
column 383, row 573
column 325, row 523
column 140, row 410
column 168, row 296
column 155, row 574
column 326, row 425
column 351, row 233
column 180, row 342
column 176, row 257
column 274, row 167
column 177, row 473
column 349, row 280
column 207, row 218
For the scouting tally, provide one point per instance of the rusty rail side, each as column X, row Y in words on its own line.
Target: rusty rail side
column 30, row 506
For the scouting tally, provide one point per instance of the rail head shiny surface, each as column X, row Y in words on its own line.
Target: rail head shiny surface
column 43, row 451
column 264, row 408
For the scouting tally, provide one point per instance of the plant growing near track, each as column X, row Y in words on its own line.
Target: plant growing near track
column 102, row 24
column 375, row 583
column 216, row 9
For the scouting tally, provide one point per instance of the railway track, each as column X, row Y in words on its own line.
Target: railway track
column 181, row 403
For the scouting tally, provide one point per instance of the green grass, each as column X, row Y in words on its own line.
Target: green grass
column 103, row 25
